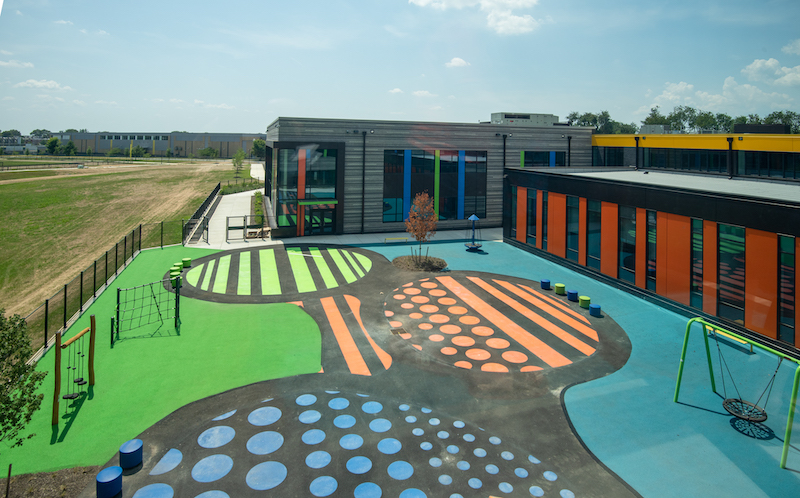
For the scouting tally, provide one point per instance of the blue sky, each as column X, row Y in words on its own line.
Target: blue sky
column 237, row 65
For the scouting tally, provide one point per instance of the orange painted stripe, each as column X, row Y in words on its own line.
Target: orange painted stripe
column 352, row 356
column 296, row 303
column 575, row 324
column 536, row 318
column 355, row 305
column 557, row 303
column 522, row 336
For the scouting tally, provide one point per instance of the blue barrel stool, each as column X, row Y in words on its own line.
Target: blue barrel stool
column 109, row 482
column 130, row 454
column 594, row 309
column 546, row 284
column 572, row 295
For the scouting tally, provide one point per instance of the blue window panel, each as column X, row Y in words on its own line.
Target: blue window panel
column 406, row 183
column 461, row 175
column 552, row 158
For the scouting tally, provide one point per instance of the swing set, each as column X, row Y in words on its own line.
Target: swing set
column 737, row 406
column 78, row 366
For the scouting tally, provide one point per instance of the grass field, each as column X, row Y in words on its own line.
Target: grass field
column 55, row 225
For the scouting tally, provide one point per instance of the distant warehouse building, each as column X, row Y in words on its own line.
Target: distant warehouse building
column 163, row 144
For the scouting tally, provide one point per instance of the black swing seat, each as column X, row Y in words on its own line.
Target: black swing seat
column 744, row 410
column 70, row 396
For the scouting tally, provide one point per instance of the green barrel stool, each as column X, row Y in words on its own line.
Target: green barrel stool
column 187, row 262
column 584, row 301
column 561, row 289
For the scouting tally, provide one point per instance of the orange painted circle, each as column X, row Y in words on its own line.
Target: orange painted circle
column 388, row 313
column 412, row 291
column 494, row 367
column 530, row 368
column 478, row 354
column 515, row 357
column 463, row 364
column 447, row 301
column 497, row 343
column 419, row 348
column 482, row 331
column 457, row 310
column 399, row 297
column 425, row 326
column 408, row 284
column 415, row 316
column 428, row 308
column 420, row 299
column 436, row 337
column 449, row 351
column 424, row 279
column 429, row 285
column 440, row 318
column 395, row 324
column 405, row 335
column 450, row 329
column 407, row 306
column 437, row 292
column 463, row 341
column 469, row 320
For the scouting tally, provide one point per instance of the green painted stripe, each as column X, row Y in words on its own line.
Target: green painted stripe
column 322, row 266
column 353, row 262
column 207, row 278
column 244, row 274
column 270, row 281
column 193, row 275
column 317, row 201
column 302, row 275
column 522, row 159
column 221, row 281
column 365, row 261
column 342, row 265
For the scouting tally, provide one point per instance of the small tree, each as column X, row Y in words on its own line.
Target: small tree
column 70, row 148
column 52, row 145
column 238, row 158
column 209, row 152
column 88, row 151
column 421, row 221
column 259, row 150
column 137, row 151
column 18, row 380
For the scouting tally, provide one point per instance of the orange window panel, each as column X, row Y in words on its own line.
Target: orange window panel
column 678, row 263
column 557, row 224
column 761, row 282
column 522, row 214
column 583, row 228
column 301, row 174
column 610, row 239
column 710, row 277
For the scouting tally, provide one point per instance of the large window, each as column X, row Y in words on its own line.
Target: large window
column 544, row 158
column 531, row 235
column 573, row 226
column 696, row 288
column 651, row 250
column 475, row 184
column 287, row 187
column 393, row 185
column 787, row 291
column 593, row 234
column 448, row 185
column 627, row 243
column 321, row 174
column 731, row 273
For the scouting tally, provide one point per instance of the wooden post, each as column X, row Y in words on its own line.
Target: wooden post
column 57, row 372
column 91, row 350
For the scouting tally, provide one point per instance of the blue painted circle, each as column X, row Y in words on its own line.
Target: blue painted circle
column 344, row 421
column 389, row 446
column 362, row 395
column 213, row 494
column 445, row 479
column 417, row 432
column 212, row 468
column 536, row 491
column 565, row 493
column 521, row 473
column 479, row 452
column 475, row 483
column 216, row 437
column 264, row 443
column 495, row 440
column 443, row 434
column 367, row 490
column 224, row 416
column 426, row 446
column 505, row 487
column 267, row 400
column 155, row 491
column 469, row 438
column 338, row 403
column 434, row 421
column 413, row 493
column 168, row 462
column 507, row 455
column 351, row 441
column 309, row 416
column 306, row 400
column 492, row 469
column 411, row 419
column 400, row 470
column 426, row 410
column 459, row 424
column 264, row 416
column 372, row 407
column 533, row 459
column 380, row 425
column 266, row 475
column 318, row 459
column 404, row 407
column 359, row 465
column 463, row 465
column 452, row 449
column 323, row 486
column 435, row 462
column 456, row 495
column 550, row 476
column 332, row 392
column 313, row 436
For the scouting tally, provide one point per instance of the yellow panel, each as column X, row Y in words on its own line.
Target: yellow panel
column 754, row 142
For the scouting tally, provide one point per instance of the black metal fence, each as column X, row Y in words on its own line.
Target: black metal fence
column 198, row 221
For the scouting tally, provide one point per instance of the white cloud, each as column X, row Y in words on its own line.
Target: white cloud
column 792, row 48
column 79, row 102
column 394, row 31
column 457, row 62
column 8, row 98
column 102, row 33
column 198, row 101
column 506, row 23
column 48, row 84
column 176, row 101
column 771, row 71
column 734, row 98
column 50, row 98
column 791, row 76
column 14, row 63
column 220, row 106
column 423, row 93
column 157, row 100
column 499, row 13
column 395, row 90
column 105, row 102
column 5, row 52
column 64, row 22
column 19, row 13
column 83, row 31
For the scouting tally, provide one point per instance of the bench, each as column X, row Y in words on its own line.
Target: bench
column 395, row 239
column 260, row 233
column 728, row 336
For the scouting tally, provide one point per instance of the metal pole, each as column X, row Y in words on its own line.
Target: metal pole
column 162, row 235
column 81, row 291
column 117, row 321
column 363, row 175
column 65, row 306
column 94, row 280
column 112, row 332
column 790, row 420
column 116, row 258
column 140, row 237
column 125, row 251
column 105, row 270
column 46, row 319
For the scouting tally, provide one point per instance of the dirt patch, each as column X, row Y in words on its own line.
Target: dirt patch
column 66, row 483
column 424, row 263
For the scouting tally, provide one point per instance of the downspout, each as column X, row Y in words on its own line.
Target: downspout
column 637, row 152
column 363, row 175
column 730, row 158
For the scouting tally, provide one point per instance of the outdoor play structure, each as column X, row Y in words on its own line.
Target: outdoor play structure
column 80, row 363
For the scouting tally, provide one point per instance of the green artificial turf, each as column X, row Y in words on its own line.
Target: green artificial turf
column 141, row 380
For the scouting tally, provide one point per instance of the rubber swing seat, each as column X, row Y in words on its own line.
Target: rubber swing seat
column 744, row 410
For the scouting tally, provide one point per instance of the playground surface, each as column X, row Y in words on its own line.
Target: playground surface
column 319, row 369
